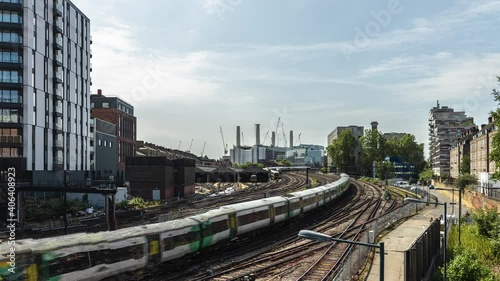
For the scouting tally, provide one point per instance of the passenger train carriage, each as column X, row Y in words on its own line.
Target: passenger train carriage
column 100, row 255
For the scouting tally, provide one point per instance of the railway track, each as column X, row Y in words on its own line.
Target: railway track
column 279, row 252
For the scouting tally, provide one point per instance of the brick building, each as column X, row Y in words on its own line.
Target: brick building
column 171, row 177
column 461, row 149
column 480, row 147
column 120, row 113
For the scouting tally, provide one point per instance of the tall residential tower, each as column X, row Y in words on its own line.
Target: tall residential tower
column 44, row 89
column 445, row 128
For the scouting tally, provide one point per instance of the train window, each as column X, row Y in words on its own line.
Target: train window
column 110, row 256
column 69, row 263
column 251, row 218
column 180, row 240
column 295, row 205
column 310, row 201
column 219, row 226
column 280, row 210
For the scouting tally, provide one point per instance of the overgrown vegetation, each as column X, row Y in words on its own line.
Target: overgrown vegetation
column 44, row 209
column 479, row 249
column 137, row 203
column 370, row 180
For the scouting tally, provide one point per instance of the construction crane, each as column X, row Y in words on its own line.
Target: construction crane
column 284, row 134
column 191, row 145
column 298, row 139
column 265, row 138
column 224, row 145
column 277, row 135
column 203, row 150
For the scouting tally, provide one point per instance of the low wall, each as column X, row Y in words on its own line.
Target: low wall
column 470, row 199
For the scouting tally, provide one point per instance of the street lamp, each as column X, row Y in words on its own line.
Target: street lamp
column 445, row 229
column 313, row 235
column 453, row 203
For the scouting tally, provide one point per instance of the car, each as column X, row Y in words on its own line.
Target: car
column 80, row 214
column 431, row 187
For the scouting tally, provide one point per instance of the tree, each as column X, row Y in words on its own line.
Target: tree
column 465, row 165
column 374, row 147
column 412, row 151
column 384, row 170
column 342, row 151
column 465, row 180
column 426, row 175
column 495, row 146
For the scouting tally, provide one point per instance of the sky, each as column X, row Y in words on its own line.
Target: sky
column 191, row 67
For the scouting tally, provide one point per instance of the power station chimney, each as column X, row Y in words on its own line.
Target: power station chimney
column 238, row 136
column 374, row 126
column 257, row 134
column 291, row 139
column 273, row 139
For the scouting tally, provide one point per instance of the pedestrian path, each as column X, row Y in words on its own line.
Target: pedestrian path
column 398, row 241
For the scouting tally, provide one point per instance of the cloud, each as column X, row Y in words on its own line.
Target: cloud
column 466, row 79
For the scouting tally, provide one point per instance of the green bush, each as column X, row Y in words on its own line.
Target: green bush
column 467, row 267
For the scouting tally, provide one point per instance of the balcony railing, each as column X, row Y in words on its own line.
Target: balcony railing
column 59, row 25
column 59, row 92
column 58, row 109
column 58, row 126
column 59, row 9
column 59, row 41
column 58, row 160
column 59, row 76
column 58, row 143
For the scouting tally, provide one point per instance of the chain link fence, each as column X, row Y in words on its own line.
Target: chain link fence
column 357, row 256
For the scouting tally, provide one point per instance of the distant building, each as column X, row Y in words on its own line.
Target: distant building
column 480, row 149
column 103, row 150
column 120, row 113
column 445, row 127
column 170, row 178
column 393, row 135
column 402, row 169
column 460, row 150
column 306, row 155
column 357, row 131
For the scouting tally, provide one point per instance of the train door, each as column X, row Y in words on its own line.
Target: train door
column 272, row 214
column 154, row 246
column 233, row 228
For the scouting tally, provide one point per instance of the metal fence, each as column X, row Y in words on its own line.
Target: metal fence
column 358, row 254
column 420, row 256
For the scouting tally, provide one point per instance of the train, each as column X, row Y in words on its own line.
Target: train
column 97, row 256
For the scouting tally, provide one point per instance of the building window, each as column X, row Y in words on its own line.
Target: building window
column 10, row 76
column 110, row 144
column 10, row 96
column 9, row 116
column 105, row 105
column 9, row 16
column 99, row 143
column 105, row 143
